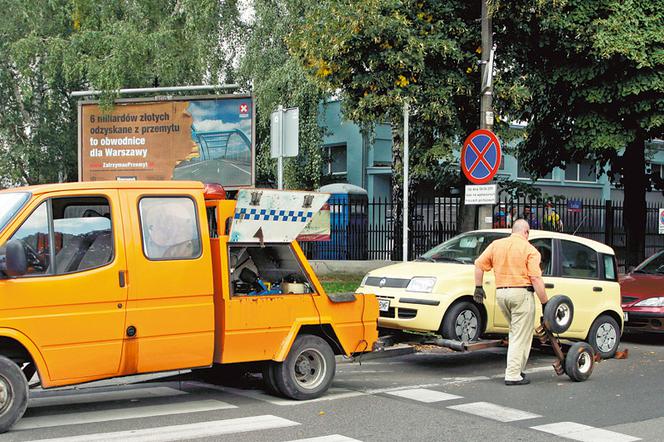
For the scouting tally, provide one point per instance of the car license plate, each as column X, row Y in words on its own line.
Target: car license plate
column 625, row 316
column 383, row 305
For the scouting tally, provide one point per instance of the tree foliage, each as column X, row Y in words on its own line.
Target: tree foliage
column 49, row 49
column 276, row 78
column 380, row 53
column 588, row 78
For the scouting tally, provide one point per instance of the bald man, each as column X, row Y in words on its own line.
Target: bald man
column 516, row 265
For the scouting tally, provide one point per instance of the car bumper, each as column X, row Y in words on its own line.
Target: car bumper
column 411, row 313
column 644, row 321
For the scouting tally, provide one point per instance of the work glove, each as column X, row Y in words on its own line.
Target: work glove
column 542, row 317
column 479, row 296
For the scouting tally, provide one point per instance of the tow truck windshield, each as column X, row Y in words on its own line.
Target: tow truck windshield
column 10, row 203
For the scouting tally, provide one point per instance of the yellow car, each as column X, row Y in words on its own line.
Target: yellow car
column 434, row 292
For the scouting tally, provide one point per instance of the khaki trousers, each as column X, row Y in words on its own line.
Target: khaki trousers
column 518, row 306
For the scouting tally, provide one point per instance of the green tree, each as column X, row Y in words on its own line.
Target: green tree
column 588, row 78
column 380, row 54
column 49, row 49
column 276, row 78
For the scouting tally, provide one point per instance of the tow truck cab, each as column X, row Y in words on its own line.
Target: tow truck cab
column 108, row 279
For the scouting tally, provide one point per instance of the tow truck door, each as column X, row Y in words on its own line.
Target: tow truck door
column 170, row 310
column 71, row 302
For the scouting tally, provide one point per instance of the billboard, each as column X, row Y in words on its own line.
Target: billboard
column 209, row 139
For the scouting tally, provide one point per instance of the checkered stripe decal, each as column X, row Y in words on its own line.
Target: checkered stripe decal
column 274, row 215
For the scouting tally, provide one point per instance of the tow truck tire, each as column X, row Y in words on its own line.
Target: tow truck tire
column 462, row 322
column 308, row 369
column 558, row 314
column 13, row 393
column 579, row 361
column 269, row 380
column 604, row 336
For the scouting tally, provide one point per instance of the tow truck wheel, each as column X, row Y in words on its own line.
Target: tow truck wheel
column 558, row 314
column 462, row 322
column 579, row 362
column 269, row 380
column 13, row 393
column 308, row 369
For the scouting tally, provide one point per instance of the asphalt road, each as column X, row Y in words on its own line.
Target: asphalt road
column 416, row 397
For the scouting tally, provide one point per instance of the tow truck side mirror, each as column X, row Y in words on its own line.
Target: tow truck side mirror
column 16, row 259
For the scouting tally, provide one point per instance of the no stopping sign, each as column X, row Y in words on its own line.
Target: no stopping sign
column 480, row 156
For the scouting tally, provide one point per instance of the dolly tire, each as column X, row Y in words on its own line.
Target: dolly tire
column 604, row 336
column 579, row 361
column 462, row 322
column 558, row 314
column 13, row 393
column 308, row 369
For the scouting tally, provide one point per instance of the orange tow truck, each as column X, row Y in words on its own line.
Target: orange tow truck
column 108, row 279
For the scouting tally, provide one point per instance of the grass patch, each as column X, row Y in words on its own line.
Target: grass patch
column 337, row 286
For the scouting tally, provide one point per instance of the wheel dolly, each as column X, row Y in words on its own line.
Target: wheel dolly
column 577, row 362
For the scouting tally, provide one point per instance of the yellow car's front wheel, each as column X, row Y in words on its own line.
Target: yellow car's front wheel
column 462, row 322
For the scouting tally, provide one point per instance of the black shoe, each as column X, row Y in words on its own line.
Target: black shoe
column 523, row 375
column 523, row 381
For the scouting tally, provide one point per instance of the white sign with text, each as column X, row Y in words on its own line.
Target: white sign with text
column 481, row 194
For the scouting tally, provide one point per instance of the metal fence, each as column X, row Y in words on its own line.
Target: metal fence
column 372, row 230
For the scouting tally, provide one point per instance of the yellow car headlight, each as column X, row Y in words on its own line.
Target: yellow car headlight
column 421, row 284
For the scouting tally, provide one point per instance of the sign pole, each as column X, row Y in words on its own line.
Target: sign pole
column 406, row 155
column 280, row 157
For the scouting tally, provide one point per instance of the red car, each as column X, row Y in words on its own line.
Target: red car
column 643, row 296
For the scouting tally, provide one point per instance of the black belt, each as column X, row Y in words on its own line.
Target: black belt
column 530, row 288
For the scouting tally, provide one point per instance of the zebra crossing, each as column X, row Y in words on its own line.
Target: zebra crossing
column 62, row 408
column 91, row 407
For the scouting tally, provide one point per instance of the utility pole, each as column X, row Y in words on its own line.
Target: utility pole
column 486, row 91
column 406, row 189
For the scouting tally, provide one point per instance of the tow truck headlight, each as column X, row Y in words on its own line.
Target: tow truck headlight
column 421, row 285
column 651, row 302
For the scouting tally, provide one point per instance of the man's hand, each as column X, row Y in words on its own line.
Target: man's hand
column 479, row 296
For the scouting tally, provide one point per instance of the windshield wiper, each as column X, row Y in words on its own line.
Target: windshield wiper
column 640, row 271
column 449, row 259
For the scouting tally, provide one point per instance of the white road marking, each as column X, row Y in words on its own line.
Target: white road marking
column 493, row 411
column 86, row 417
column 104, row 396
column 424, row 395
column 332, row 394
column 187, row 431
column 584, row 433
column 330, row 438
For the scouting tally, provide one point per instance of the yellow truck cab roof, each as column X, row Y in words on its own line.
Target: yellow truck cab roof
column 534, row 234
column 92, row 185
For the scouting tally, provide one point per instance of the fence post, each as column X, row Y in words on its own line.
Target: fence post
column 608, row 223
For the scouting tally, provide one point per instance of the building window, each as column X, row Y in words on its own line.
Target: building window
column 584, row 171
column 334, row 161
column 522, row 173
